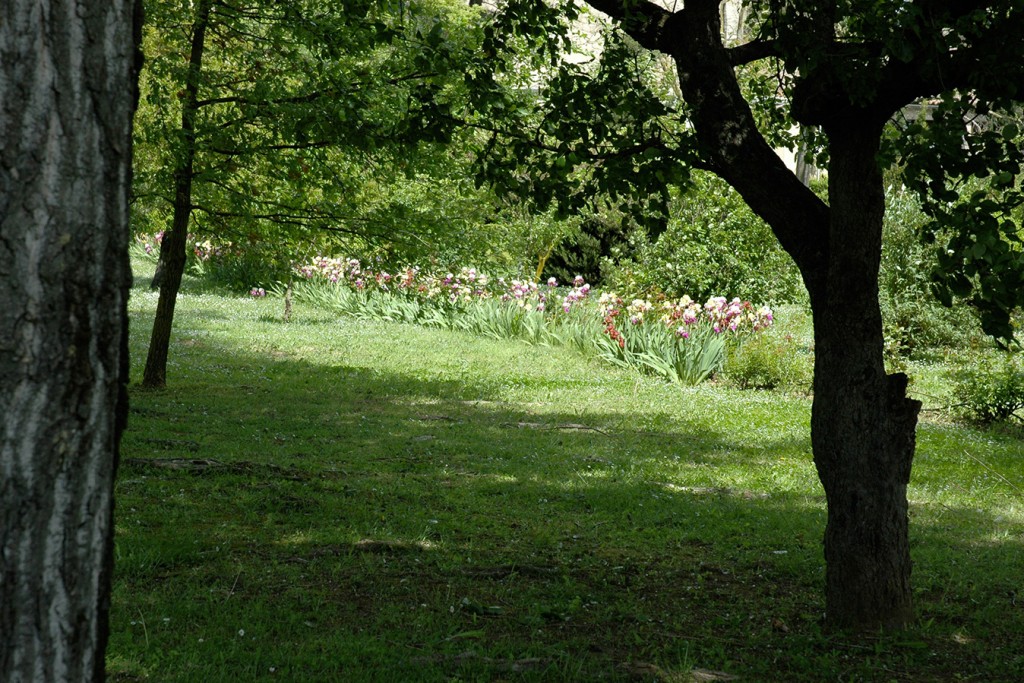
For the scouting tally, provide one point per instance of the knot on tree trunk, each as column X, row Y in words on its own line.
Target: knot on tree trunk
column 902, row 423
column 899, row 403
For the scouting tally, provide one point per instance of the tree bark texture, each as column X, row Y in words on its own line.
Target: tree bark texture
column 67, row 95
column 863, row 425
column 173, row 248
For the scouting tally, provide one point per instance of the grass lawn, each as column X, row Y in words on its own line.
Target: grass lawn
column 343, row 500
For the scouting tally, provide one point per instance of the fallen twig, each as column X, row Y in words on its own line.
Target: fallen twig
column 1004, row 479
column 559, row 426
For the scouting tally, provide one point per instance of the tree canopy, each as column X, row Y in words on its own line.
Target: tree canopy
column 613, row 119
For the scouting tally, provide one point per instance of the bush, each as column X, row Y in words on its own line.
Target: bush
column 914, row 320
column 238, row 269
column 713, row 244
column 991, row 391
column 769, row 361
column 603, row 237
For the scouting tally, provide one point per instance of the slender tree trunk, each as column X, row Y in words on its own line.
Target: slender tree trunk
column 862, row 426
column 173, row 248
column 67, row 94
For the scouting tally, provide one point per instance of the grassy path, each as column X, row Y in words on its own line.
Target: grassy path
column 334, row 500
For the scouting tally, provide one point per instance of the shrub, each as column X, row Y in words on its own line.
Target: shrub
column 712, row 243
column 769, row 361
column 222, row 263
column 990, row 391
column 603, row 235
column 914, row 320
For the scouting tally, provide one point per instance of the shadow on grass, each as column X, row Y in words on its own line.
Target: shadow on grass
column 411, row 520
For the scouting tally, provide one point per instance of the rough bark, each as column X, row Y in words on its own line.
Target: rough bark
column 173, row 248
column 862, row 425
column 67, row 94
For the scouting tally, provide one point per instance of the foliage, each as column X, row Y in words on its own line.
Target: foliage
column 594, row 127
column 991, row 390
column 769, row 361
column 976, row 227
column 914, row 320
column 313, row 124
column 713, row 242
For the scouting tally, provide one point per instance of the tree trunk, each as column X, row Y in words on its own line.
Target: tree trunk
column 67, row 95
column 173, row 248
column 862, row 428
column 862, row 425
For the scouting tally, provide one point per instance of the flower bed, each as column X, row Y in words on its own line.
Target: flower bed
column 682, row 340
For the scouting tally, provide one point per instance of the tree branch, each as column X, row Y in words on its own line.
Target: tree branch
column 643, row 21
column 753, row 51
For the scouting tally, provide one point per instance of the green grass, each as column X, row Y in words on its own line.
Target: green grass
column 339, row 500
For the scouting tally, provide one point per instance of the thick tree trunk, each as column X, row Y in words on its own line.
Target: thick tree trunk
column 173, row 248
column 862, row 426
column 67, row 94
